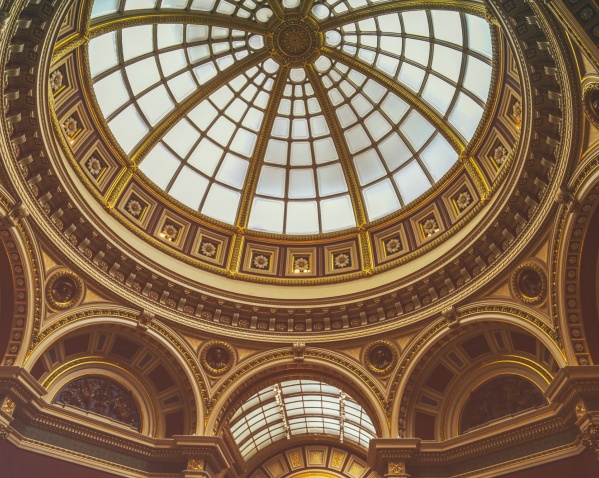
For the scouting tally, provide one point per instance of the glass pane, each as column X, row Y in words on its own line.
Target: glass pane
column 142, row 74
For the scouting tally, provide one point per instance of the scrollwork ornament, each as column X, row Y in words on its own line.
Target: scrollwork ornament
column 529, row 283
column 64, row 289
column 217, row 357
column 8, row 406
column 195, row 464
column 580, row 410
column 380, row 357
column 396, row 468
column 590, row 439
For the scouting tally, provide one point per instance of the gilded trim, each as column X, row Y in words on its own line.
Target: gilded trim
column 340, row 145
column 257, row 160
column 67, row 46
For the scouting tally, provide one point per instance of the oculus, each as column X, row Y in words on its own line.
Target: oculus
column 297, row 124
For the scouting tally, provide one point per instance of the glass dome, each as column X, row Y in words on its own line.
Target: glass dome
column 290, row 117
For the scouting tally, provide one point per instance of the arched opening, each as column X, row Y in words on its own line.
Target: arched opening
column 6, row 299
column 589, row 283
column 298, row 406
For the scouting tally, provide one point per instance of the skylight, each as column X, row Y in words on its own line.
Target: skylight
column 304, row 407
column 286, row 124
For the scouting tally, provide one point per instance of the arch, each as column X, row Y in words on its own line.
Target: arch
column 7, row 304
column 572, row 264
column 461, row 391
column 427, row 346
column 143, row 414
column 513, row 394
column 267, row 368
column 21, row 284
column 589, row 285
column 159, row 340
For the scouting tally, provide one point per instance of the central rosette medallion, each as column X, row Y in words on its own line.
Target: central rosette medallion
column 295, row 41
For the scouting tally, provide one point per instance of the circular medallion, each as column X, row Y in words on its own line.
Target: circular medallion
column 380, row 357
column 217, row 357
column 63, row 290
column 529, row 283
column 294, row 42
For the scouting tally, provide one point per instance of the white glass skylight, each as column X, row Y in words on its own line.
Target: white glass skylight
column 307, row 407
column 298, row 166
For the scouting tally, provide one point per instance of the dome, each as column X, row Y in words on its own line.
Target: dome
column 265, row 117
column 289, row 145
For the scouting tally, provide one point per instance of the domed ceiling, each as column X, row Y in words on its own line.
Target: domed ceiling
column 285, row 144
column 295, row 118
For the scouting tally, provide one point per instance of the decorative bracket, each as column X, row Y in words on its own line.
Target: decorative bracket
column 145, row 319
column 567, row 198
column 298, row 351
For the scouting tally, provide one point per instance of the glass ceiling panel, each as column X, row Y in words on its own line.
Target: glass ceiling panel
column 155, row 67
column 213, row 145
column 384, row 135
column 301, row 167
column 308, row 407
column 415, row 49
column 143, row 74
column 253, row 10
